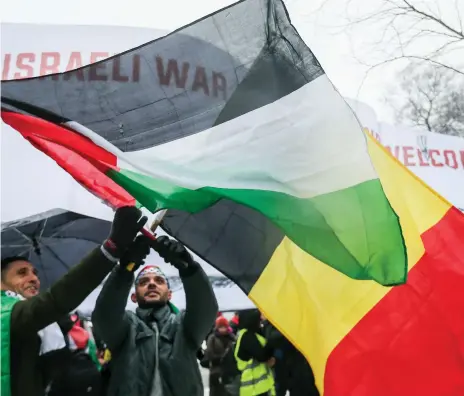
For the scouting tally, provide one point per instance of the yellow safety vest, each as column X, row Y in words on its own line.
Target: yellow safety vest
column 256, row 377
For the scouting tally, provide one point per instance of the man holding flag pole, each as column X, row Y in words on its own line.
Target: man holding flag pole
column 157, row 345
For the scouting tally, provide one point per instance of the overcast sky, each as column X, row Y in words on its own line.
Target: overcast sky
column 319, row 22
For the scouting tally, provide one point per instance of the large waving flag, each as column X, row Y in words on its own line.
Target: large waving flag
column 231, row 124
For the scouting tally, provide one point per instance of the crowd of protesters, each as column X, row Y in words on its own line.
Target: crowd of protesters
column 49, row 349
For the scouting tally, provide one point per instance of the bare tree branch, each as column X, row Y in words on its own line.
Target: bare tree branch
column 433, row 18
column 407, row 30
column 413, row 57
column 458, row 12
column 432, row 98
column 439, row 50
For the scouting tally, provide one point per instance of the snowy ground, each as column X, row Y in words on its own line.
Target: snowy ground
column 204, row 376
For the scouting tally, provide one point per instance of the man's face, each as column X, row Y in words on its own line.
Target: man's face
column 21, row 278
column 151, row 289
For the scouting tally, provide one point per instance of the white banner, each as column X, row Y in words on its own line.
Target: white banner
column 437, row 159
column 31, row 182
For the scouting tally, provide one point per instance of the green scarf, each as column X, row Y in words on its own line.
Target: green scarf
column 173, row 308
column 8, row 300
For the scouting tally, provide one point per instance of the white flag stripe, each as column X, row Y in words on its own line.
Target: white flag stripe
column 305, row 144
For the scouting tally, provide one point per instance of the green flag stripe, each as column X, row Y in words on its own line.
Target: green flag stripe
column 344, row 229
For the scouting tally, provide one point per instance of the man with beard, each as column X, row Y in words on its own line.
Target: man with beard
column 154, row 350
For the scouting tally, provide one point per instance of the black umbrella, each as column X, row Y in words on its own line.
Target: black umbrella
column 53, row 241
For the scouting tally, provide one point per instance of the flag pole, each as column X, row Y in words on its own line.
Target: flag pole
column 154, row 225
column 158, row 219
column 151, row 232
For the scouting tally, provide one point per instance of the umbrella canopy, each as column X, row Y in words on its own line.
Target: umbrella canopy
column 53, row 242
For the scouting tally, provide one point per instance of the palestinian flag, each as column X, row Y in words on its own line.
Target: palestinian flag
column 231, row 124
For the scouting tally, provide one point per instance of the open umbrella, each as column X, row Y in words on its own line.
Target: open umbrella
column 53, row 241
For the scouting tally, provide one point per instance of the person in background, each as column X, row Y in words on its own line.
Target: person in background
column 28, row 318
column 254, row 356
column 79, row 374
column 293, row 373
column 234, row 323
column 154, row 350
column 220, row 315
column 217, row 346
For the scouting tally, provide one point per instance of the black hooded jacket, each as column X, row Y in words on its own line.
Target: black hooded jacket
column 250, row 347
